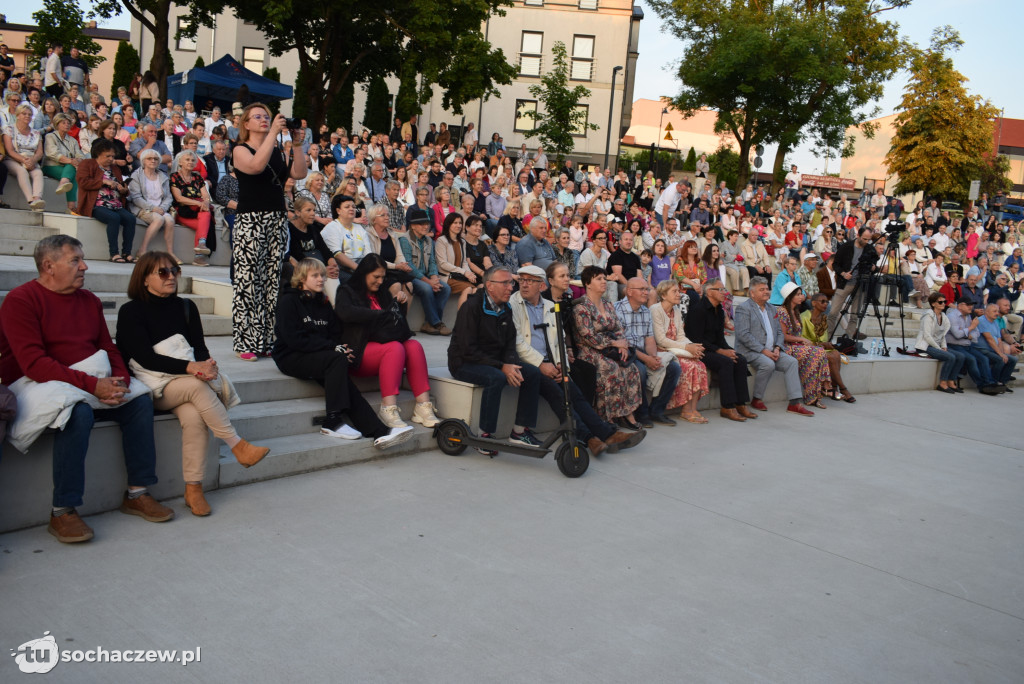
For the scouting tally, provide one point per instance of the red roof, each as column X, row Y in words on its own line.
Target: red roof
column 1009, row 132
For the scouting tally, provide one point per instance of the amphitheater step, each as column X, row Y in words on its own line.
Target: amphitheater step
column 303, row 453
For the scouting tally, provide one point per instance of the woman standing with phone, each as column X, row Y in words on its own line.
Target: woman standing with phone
column 261, row 227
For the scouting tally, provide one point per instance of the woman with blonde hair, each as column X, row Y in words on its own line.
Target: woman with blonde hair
column 667, row 317
column 149, row 193
column 24, row 150
column 314, row 190
column 192, row 202
column 161, row 338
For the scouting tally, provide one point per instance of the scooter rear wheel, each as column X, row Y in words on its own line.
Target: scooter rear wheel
column 451, row 437
column 572, row 464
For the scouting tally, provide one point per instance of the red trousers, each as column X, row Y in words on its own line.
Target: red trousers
column 200, row 224
column 389, row 360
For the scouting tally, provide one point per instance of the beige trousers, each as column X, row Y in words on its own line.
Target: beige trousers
column 197, row 408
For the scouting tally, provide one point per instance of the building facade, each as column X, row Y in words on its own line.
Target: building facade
column 599, row 35
column 15, row 35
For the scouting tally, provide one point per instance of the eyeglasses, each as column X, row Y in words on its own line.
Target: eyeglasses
column 601, row 237
column 525, row 281
column 166, row 273
column 503, row 283
column 713, row 289
column 259, row 117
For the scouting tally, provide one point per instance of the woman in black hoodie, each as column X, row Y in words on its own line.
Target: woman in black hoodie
column 309, row 347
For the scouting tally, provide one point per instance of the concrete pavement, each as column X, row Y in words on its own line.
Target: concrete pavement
column 878, row 542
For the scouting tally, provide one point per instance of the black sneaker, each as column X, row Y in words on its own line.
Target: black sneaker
column 487, row 452
column 525, row 438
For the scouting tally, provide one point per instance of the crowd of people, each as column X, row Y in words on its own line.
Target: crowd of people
column 333, row 236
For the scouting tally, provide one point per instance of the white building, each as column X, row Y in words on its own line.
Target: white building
column 599, row 35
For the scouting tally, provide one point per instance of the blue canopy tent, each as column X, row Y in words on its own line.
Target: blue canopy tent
column 220, row 82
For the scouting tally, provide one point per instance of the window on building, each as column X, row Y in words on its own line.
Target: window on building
column 582, row 68
column 530, row 53
column 523, row 122
column 588, row 4
column 580, row 129
column 183, row 43
column 533, row 3
column 252, row 59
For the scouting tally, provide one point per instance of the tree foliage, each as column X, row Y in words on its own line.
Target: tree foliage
column 62, row 21
column 726, row 164
column 640, row 160
column 377, row 115
column 784, row 70
column 691, row 161
column 200, row 63
column 558, row 117
column 126, row 65
column 343, row 41
column 154, row 15
column 944, row 134
column 407, row 100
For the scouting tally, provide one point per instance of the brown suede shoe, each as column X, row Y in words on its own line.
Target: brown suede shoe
column 732, row 414
column 146, row 507
column 595, row 446
column 624, row 439
column 195, row 500
column 248, row 454
column 745, row 412
column 69, row 528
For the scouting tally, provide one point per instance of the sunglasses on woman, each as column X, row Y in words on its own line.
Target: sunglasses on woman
column 166, row 272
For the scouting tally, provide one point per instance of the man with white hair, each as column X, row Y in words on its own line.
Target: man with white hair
column 535, row 248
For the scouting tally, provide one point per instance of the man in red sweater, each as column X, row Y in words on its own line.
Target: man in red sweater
column 48, row 325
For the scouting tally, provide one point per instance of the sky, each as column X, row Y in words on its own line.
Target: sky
column 988, row 57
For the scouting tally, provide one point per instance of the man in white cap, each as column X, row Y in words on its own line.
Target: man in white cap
column 537, row 345
column 808, row 275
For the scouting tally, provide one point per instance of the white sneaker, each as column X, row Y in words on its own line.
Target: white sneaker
column 201, row 248
column 395, row 437
column 424, row 415
column 64, row 187
column 390, row 416
column 344, row 431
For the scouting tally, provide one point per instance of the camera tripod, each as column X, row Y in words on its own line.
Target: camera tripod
column 871, row 284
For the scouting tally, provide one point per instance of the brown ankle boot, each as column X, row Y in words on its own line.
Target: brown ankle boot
column 248, row 454
column 195, row 500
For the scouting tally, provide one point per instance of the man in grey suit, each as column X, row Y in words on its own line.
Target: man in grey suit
column 759, row 339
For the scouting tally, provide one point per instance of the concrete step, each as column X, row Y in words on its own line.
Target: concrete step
column 101, row 277
column 311, row 451
column 213, row 325
column 112, row 301
column 12, row 246
column 19, row 217
column 268, row 419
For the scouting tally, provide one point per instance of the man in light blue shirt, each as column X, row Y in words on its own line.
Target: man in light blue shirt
column 534, row 248
column 989, row 337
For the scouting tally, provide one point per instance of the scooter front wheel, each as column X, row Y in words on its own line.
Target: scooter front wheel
column 451, row 437
column 572, row 462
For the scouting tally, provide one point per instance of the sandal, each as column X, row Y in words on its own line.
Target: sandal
column 698, row 420
column 847, row 397
column 130, row 259
column 817, row 403
column 117, row 259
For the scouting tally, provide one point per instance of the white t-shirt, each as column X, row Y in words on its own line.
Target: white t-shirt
column 793, row 179
column 52, row 67
column 669, row 198
column 353, row 241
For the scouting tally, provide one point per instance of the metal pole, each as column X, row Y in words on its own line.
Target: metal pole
column 657, row 159
column 611, row 111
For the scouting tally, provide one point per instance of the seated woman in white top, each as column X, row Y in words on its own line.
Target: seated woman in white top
column 149, row 194
column 935, row 274
column 347, row 240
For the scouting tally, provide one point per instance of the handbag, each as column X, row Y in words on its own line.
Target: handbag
column 392, row 326
column 613, row 354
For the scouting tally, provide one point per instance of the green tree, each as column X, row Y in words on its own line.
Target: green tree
column 725, row 164
column 562, row 117
column 943, row 133
column 199, row 63
column 780, row 71
column 441, row 42
column 126, row 65
column 62, row 21
column 407, row 100
column 340, row 113
column 275, row 106
column 995, row 174
column 377, row 115
column 690, row 164
column 154, row 15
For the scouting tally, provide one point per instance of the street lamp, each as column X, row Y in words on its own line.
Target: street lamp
column 611, row 109
column 657, row 159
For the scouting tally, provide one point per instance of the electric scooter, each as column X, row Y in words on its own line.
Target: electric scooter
column 454, row 436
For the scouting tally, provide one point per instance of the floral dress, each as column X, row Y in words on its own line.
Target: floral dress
column 618, row 388
column 693, row 378
column 813, row 361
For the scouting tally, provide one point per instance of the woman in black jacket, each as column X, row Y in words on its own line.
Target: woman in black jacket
column 376, row 330
column 309, row 347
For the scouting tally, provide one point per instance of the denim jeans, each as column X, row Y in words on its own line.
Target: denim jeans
column 117, row 218
column 588, row 423
column 71, row 444
column 657, row 404
column 494, row 381
column 951, row 363
column 1001, row 371
column 974, row 363
column 433, row 302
